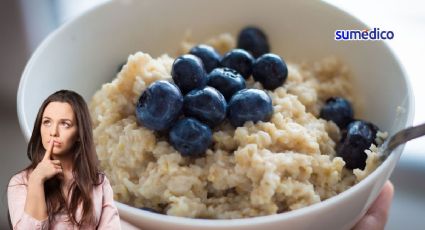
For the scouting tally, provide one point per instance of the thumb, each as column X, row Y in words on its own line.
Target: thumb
column 48, row 154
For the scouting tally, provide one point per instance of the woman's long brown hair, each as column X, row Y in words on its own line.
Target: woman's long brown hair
column 85, row 168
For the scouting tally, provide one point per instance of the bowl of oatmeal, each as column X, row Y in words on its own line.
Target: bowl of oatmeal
column 285, row 170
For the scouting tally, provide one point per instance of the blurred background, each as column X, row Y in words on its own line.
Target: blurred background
column 25, row 23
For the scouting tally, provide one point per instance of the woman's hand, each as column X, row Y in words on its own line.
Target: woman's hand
column 35, row 203
column 47, row 168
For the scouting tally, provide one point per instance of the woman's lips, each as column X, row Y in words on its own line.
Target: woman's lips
column 55, row 143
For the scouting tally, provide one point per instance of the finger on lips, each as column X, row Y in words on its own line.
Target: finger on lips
column 49, row 150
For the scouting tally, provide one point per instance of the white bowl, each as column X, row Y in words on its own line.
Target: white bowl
column 85, row 53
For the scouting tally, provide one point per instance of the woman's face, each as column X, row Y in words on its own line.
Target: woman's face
column 59, row 125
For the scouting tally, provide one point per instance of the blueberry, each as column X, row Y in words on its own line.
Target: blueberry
column 159, row 106
column 372, row 127
column 338, row 110
column 188, row 73
column 227, row 81
column 249, row 105
column 208, row 55
column 374, row 130
column 207, row 105
column 359, row 137
column 239, row 60
column 190, row 137
column 253, row 40
column 270, row 70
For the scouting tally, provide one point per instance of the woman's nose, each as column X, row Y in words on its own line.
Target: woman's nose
column 54, row 131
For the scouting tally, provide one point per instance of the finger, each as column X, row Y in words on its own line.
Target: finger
column 59, row 171
column 383, row 202
column 58, row 167
column 56, row 162
column 377, row 215
column 49, row 150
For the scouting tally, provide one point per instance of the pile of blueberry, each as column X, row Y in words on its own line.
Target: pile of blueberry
column 208, row 88
column 357, row 135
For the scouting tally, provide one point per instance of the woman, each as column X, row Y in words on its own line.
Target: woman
column 63, row 187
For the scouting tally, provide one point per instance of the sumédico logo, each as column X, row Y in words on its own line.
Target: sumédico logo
column 359, row 35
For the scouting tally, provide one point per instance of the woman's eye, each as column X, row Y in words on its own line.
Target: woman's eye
column 46, row 122
column 66, row 125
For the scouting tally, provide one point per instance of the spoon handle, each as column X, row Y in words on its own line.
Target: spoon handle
column 402, row 137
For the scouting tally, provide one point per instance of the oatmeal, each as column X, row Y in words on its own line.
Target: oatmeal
column 261, row 168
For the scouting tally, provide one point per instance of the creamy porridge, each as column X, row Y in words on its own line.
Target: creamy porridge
column 258, row 169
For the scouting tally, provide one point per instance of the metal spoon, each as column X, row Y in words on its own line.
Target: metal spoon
column 401, row 137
